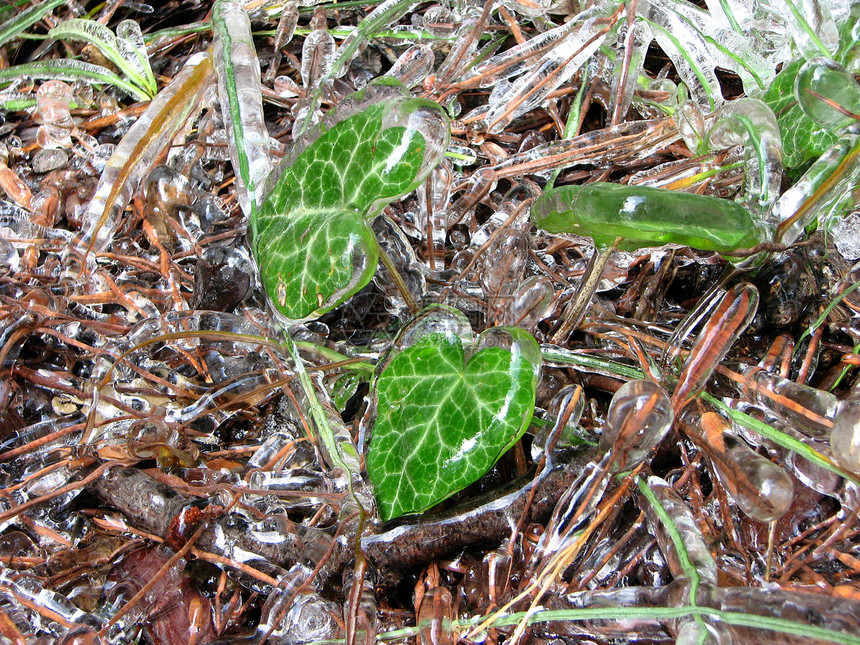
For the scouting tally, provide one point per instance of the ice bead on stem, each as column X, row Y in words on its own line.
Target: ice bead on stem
column 821, row 189
column 139, row 150
column 845, row 436
column 751, row 123
column 640, row 414
column 317, row 57
column 682, row 518
column 809, row 409
column 760, row 488
column 53, row 99
column 728, row 321
column 241, row 98
column 530, row 303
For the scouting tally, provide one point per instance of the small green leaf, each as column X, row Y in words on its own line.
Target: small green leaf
column 310, row 237
column 443, row 421
column 802, row 138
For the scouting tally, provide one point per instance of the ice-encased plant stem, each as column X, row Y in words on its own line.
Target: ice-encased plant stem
column 241, row 101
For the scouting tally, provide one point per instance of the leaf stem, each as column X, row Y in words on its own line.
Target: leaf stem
column 399, row 282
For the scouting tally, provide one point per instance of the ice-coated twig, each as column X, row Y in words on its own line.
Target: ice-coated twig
column 241, row 101
column 139, row 151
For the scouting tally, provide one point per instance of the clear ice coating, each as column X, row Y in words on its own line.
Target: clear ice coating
column 413, row 65
column 576, row 43
column 639, row 416
column 813, row 27
column 728, row 320
column 685, row 523
column 751, row 123
column 564, row 410
column 760, row 488
column 845, row 435
column 809, row 409
column 317, row 57
column 530, row 303
column 138, row 151
column 53, row 99
column 241, row 100
column 824, row 191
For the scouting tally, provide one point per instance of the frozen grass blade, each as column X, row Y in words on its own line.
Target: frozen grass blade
column 10, row 29
column 120, row 51
column 72, row 70
column 241, row 101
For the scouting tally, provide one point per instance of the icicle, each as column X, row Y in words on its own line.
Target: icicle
column 283, row 36
column 241, row 101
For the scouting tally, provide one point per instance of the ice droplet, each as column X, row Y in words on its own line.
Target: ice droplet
column 822, row 82
column 639, row 416
column 845, row 436
column 761, row 489
column 53, row 99
column 317, row 57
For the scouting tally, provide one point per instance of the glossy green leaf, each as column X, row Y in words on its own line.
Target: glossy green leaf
column 310, row 236
column 802, row 138
column 314, row 260
column 443, row 420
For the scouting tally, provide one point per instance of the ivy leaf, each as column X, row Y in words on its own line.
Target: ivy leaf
column 310, row 237
column 315, row 259
column 802, row 138
column 443, row 421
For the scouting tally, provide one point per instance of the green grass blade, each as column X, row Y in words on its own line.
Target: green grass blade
column 108, row 44
column 72, row 70
column 26, row 19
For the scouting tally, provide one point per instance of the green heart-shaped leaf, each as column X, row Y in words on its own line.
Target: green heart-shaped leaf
column 314, row 260
column 310, row 237
column 442, row 422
